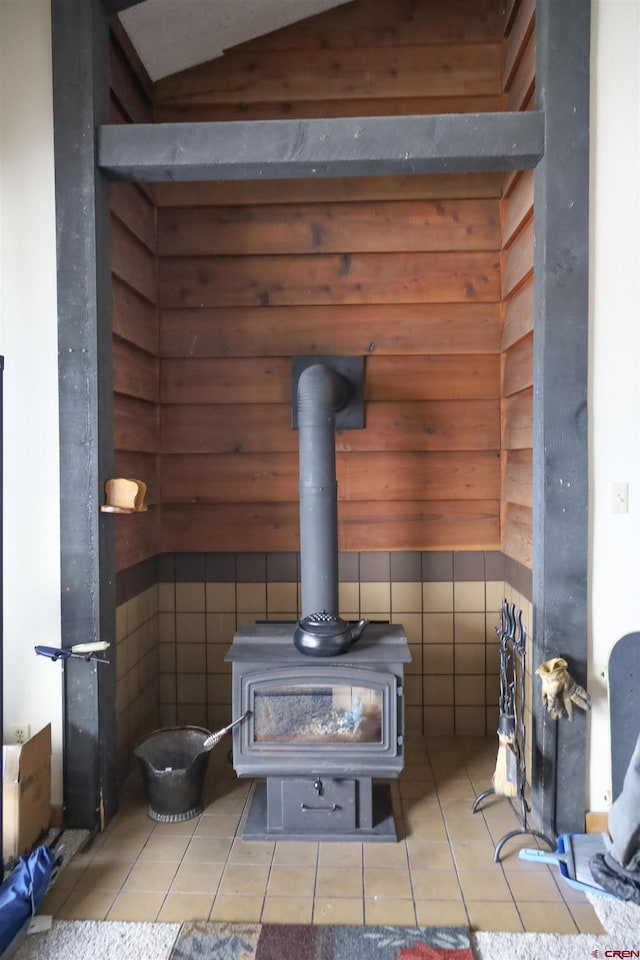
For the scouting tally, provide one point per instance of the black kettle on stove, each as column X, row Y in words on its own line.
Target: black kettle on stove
column 326, row 634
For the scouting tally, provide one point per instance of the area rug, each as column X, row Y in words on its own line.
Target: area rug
column 275, row 941
column 112, row 940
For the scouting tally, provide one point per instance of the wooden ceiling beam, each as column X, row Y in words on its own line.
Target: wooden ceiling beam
column 117, row 6
column 356, row 146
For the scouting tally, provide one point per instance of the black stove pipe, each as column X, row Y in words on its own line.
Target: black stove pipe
column 321, row 393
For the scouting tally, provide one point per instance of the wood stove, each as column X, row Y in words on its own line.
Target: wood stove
column 320, row 731
column 325, row 697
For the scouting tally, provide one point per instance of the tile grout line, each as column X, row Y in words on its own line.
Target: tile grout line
column 446, row 827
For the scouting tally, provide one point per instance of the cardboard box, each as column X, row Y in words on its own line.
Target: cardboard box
column 26, row 793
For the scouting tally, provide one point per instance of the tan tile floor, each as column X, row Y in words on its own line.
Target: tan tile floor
column 440, row 871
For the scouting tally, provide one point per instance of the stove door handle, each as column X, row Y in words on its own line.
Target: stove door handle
column 332, row 809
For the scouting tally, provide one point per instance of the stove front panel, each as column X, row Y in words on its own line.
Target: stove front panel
column 331, row 720
column 340, row 716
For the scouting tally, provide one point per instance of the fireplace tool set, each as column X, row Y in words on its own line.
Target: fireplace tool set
column 573, row 852
column 510, row 776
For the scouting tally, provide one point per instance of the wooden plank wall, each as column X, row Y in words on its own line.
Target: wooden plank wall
column 134, row 316
column 366, row 58
column 403, row 270
column 517, row 306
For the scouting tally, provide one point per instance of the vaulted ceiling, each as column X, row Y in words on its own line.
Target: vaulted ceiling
column 172, row 35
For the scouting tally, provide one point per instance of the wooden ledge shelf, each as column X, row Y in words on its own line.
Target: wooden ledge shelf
column 124, row 495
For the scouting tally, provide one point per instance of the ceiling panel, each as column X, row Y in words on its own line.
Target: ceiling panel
column 172, row 35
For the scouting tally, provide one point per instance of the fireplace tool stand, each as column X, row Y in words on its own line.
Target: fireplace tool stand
column 513, row 639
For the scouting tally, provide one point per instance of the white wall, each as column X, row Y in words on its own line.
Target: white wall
column 28, row 341
column 615, row 354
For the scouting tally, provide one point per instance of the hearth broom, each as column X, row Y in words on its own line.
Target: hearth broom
column 505, row 777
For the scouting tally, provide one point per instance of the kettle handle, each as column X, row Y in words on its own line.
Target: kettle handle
column 357, row 631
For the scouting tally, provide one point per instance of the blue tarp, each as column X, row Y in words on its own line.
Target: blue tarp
column 22, row 892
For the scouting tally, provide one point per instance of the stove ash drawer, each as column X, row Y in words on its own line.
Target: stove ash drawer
column 322, row 804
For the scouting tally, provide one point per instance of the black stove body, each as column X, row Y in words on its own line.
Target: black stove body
column 324, row 697
column 320, row 730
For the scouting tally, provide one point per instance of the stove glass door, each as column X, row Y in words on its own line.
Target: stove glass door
column 317, row 712
column 335, row 719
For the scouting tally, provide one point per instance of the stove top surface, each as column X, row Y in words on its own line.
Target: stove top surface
column 273, row 642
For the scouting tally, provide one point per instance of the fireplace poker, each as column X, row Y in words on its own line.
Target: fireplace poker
column 214, row 738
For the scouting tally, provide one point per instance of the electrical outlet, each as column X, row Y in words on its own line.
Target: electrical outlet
column 20, row 732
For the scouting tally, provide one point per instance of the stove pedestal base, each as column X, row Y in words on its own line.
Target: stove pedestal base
column 290, row 808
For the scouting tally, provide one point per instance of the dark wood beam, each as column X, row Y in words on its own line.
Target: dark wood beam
column 116, row 6
column 80, row 37
column 560, row 474
column 361, row 146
